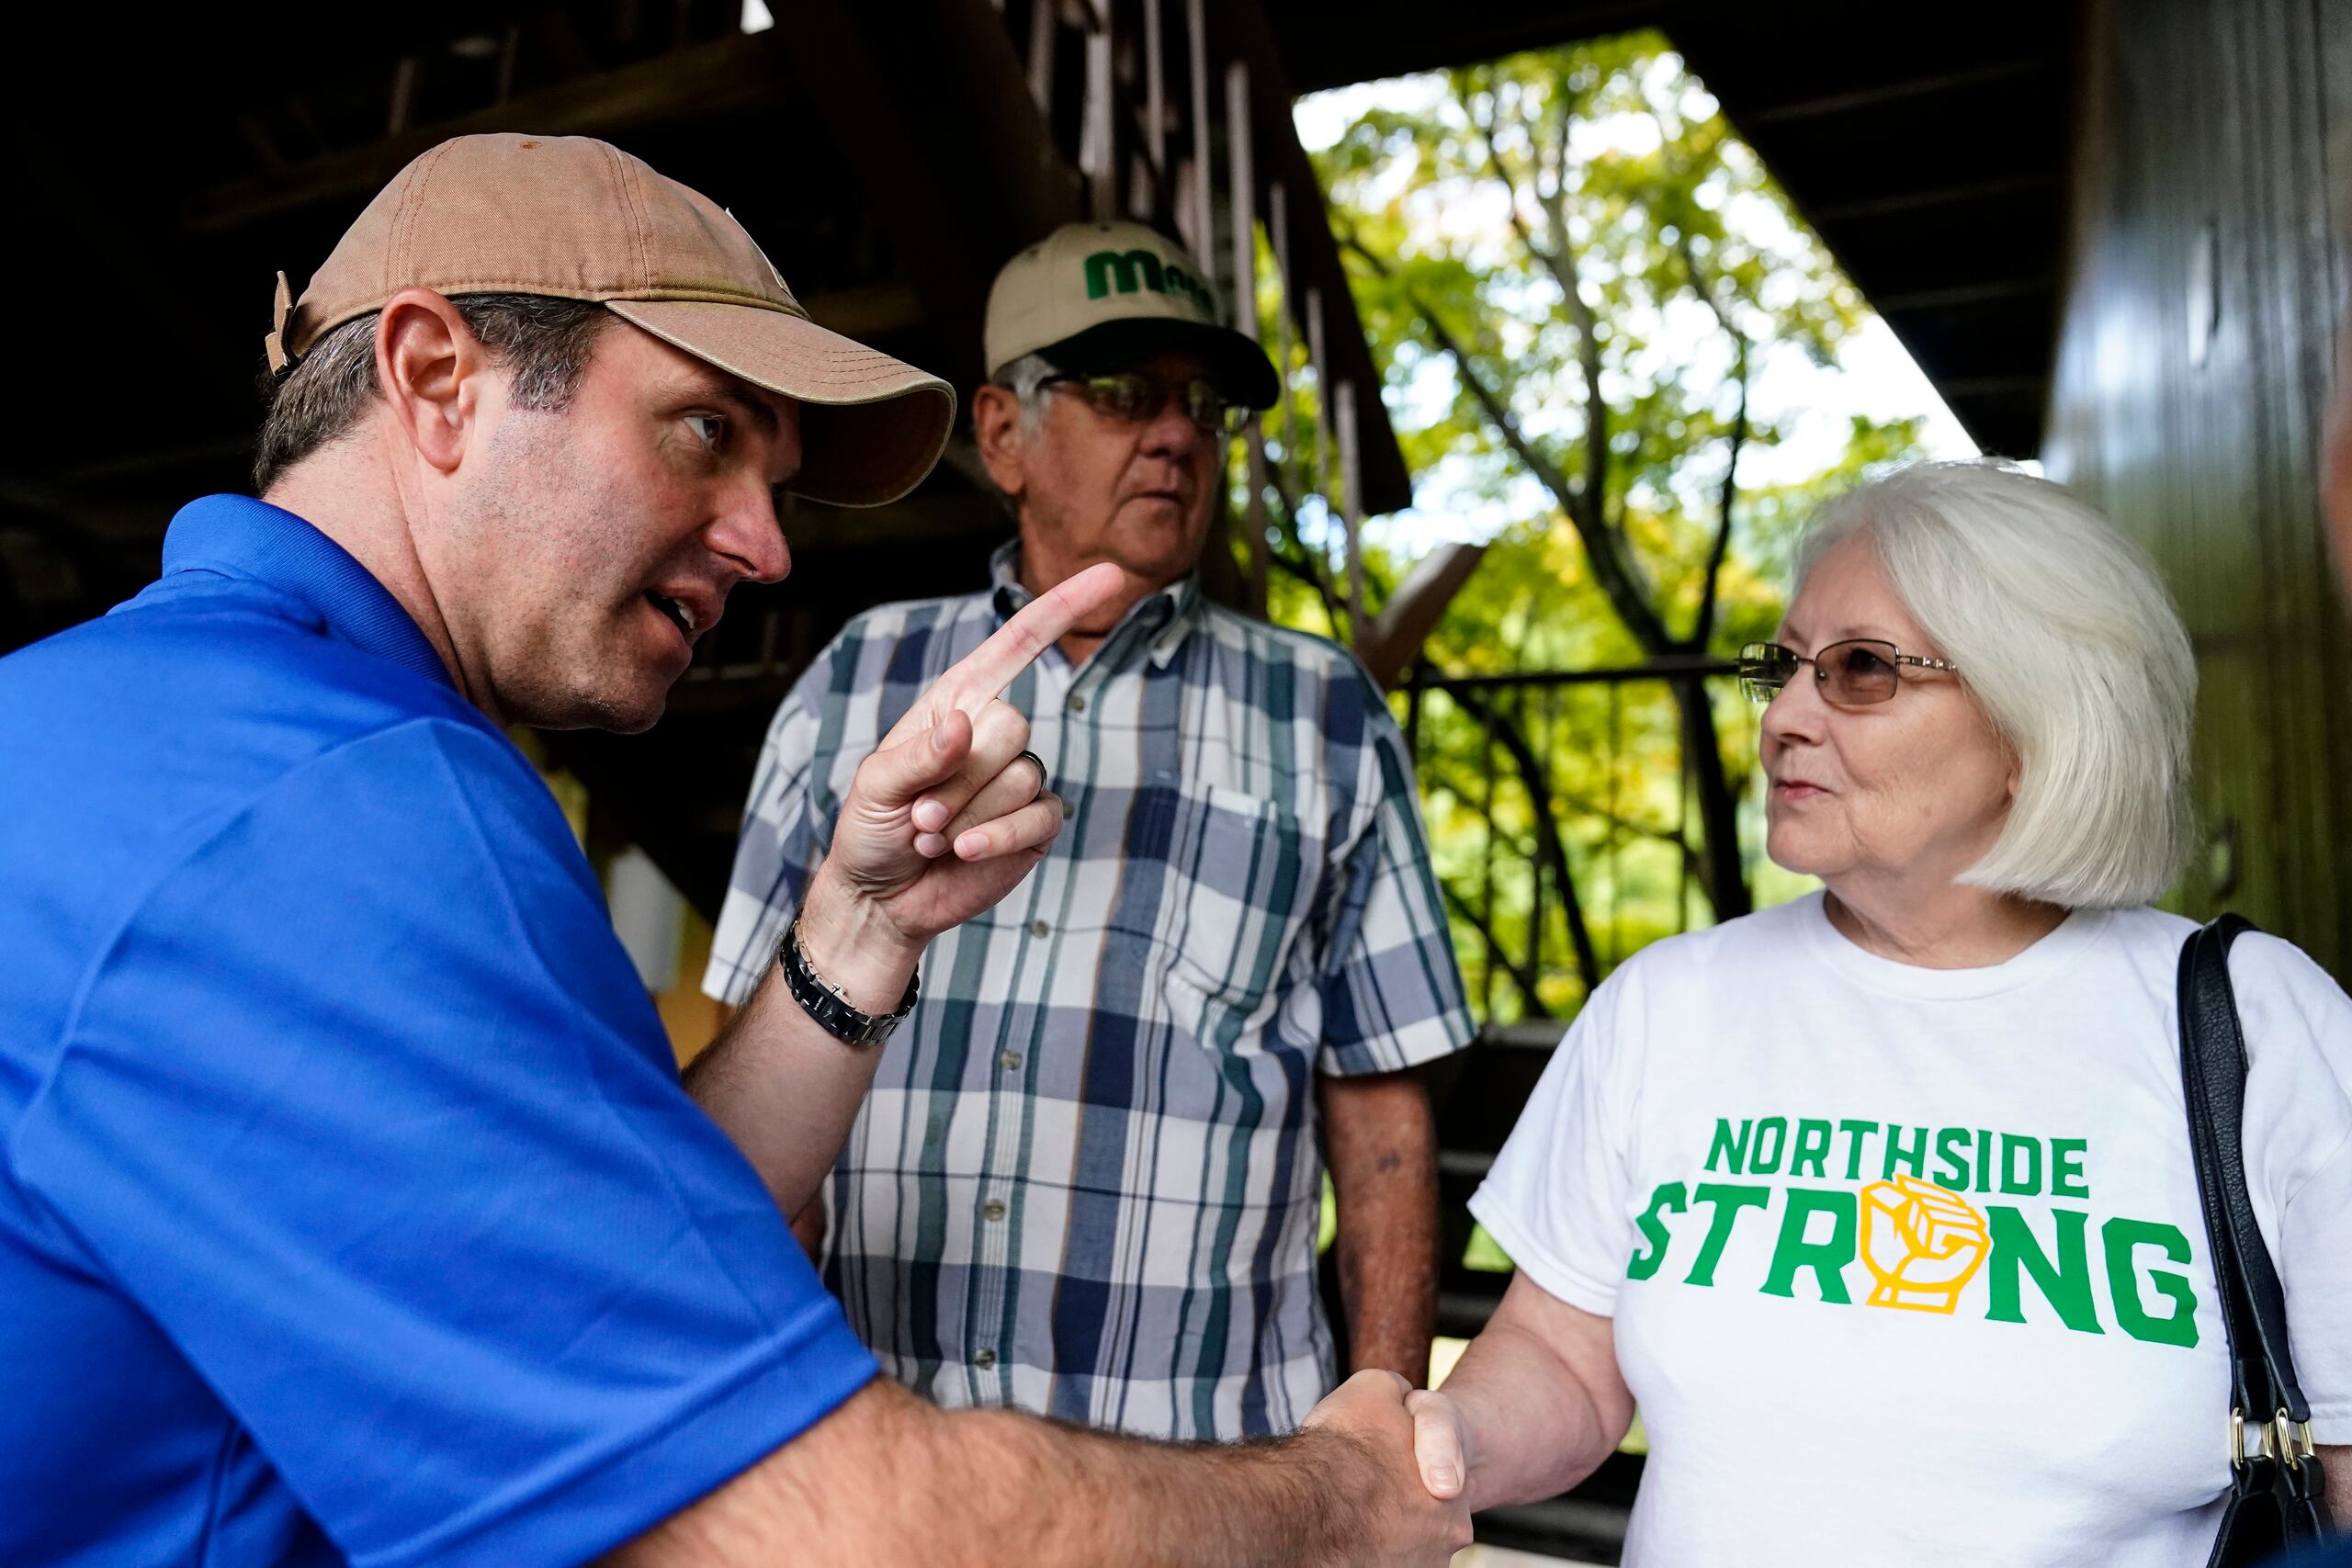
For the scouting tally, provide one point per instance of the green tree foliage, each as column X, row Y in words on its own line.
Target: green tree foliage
column 1572, row 272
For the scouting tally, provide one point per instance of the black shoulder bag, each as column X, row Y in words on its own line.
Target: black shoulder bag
column 2275, row 1491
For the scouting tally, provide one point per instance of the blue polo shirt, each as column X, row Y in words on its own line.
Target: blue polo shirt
column 350, row 1208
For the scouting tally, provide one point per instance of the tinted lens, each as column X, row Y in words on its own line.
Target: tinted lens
column 1206, row 407
column 1126, row 395
column 1764, row 668
column 1858, row 674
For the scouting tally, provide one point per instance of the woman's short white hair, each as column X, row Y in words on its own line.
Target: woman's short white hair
column 2062, row 628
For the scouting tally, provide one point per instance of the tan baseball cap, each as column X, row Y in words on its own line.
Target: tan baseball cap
column 582, row 219
column 1096, row 296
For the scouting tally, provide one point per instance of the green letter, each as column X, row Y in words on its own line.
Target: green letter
column 1667, row 1198
column 2029, row 1184
column 1826, row 1258
column 1732, row 1153
column 2120, row 1237
column 1859, row 1131
column 1914, row 1159
column 1952, row 1170
column 1105, row 268
column 1812, row 1146
column 2066, row 1285
column 2066, row 1168
column 1758, row 1164
column 1728, row 1202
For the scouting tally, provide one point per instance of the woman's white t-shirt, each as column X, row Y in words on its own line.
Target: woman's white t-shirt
column 1907, row 1265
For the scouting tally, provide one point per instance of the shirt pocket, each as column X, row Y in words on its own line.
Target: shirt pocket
column 1242, row 872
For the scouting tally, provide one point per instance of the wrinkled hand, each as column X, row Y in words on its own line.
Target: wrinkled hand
column 943, row 818
column 1413, row 1441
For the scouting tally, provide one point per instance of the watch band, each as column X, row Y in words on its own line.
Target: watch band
column 828, row 1007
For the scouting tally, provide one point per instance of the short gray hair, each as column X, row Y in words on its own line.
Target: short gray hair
column 1026, row 378
column 2064, row 633
column 543, row 342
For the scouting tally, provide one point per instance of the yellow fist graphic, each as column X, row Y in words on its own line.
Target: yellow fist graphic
column 1922, row 1243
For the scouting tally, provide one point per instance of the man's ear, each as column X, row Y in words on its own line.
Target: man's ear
column 996, row 430
column 431, row 371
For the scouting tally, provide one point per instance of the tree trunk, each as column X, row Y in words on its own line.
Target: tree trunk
column 1726, row 879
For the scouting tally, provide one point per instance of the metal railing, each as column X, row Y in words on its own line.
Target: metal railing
column 1566, row 817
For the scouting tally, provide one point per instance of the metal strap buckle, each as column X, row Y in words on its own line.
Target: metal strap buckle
column 2290, row 1440
column 2282, row 1438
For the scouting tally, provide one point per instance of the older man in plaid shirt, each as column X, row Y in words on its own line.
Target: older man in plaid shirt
column 1088, row 1181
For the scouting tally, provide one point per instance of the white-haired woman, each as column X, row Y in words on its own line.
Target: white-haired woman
column 1881, row 1203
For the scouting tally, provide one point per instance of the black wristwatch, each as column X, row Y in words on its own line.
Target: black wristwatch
column 828, row 1007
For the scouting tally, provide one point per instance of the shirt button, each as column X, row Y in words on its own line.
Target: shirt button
column 984, row 1360
column 1076, row 703
column 1008, row 1060
column 1039, row 927
column 993, row 1208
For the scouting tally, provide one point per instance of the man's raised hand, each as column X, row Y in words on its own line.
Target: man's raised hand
column 945, row 817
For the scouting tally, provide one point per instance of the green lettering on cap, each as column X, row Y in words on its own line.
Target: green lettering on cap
column 1127, row 269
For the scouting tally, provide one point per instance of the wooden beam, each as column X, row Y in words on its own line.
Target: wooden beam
column 1281, row 167
column 1898, row 92
column 1996, row 291
column 930, row 106
column 1907, row 202
column 730, row 73
column 1390, row 645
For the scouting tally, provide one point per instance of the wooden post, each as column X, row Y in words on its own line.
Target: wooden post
column 403, row 95
column 1042, row 27
column 1318, row 468
column 1238, row 159
column 1098, row 149
column 1154, row 94
column 1196, row 27
column 1278, row 237
column 1343, row 410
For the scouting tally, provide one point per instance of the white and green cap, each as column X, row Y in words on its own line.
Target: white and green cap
column 1096, row 296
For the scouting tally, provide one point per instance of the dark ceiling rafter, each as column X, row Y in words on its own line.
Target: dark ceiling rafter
column 1932, row 163
column 706, row 78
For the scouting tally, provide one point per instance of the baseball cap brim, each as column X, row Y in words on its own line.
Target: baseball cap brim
column 1238, row 365
column 871, row 426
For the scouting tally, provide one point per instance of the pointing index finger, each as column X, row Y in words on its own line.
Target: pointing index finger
column 983, row 674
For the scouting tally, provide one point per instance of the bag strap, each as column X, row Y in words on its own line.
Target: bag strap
column 2213, row 1069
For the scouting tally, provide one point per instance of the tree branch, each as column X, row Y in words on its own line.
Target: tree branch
column 1621, row 578
column 1702, row 626
column 1702, row 629
column 1497, row 953
column 1536, row 779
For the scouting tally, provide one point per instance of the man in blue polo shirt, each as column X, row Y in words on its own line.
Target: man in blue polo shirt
column 350, row 1210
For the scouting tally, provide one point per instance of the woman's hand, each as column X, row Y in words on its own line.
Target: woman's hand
column 1534, row 1406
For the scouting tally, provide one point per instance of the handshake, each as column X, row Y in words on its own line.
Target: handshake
column 1398, row 1490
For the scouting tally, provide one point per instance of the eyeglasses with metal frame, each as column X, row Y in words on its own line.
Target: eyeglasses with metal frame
column 1131, row 397
column 1858, row 672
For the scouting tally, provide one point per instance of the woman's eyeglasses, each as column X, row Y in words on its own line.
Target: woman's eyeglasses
column 1132, row 396
column 1850, row 674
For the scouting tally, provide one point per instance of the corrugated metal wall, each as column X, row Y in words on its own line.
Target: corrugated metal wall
column 2193, row 362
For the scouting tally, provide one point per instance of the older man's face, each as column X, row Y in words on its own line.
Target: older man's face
column 595, row 544
column 1095, row 488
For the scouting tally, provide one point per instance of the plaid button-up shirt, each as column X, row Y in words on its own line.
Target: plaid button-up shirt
column 1087, row 1181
